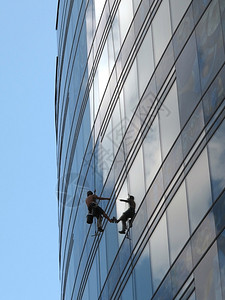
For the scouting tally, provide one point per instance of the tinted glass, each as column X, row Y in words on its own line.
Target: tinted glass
column 210, row 44
column 198, row 190
column 209, row 266
column 216, row 148
column 214, row 95
column 152, row 155
column 177, row 213
column 143, row 276
column 221, row 253
column 159, row 253
column 169, row 121
column 178, row 9
column 188, row 82
column 145, row 61
column 161, row 29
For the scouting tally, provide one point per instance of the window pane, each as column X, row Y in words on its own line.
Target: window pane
column 178, row 9
column 159, row 253
column 152, row 155
column 181, row 269
column 208, row 286
column 131, row 92
column 210, row 44
column 221, row 249
column 216, row 148
column 161, row 30
column 177, row 214
column 183, row 31
column 128, row 291
column 169, row 121
column 188, row 82
column 136, row 178
column 126, row 16
column 145, row 61
column 199, row 190
column 92, row 282
column 143, row 276
column 103, row 71
column 218, row 216
column 192, row 129
column 222, row 10
column 203, row 237
column 214, row 95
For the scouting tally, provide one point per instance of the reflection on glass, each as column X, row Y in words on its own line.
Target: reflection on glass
column 198, row 8
column 152, row 155
column 172, row 163
column 145, row 61
column 222, row 11
column 203, row 237
column 99, row 4
column 161, row 30
column 92, row 282
column 116, row 34
column 147, row 99
column 192, row 297
column 214, row 95
column 164, row 67
column 181, row 269
column 169, row 121
column 106, row 152
column 155, row 193
column 192, row 129
column 210, row 44
column 128, row 290
column 218, row 216
column 89, row 24
column 165, row 290
column 143, row 276
column 183, row 31
column 188, row 82
column 103, row 262
column 178, row 9
column 159, row 252
column 103, row 71
column 208, row 286
column 178, row 227
column 126, row 16
column 131, row 92
column 111, row 244
column 139, row 223
column 216, row 148
column 198, row 190
column 221, row 252
column 136, row 179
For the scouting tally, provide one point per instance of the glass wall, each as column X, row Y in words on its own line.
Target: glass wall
column 140, row 111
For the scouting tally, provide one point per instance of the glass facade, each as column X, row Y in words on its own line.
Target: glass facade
column 139, row 109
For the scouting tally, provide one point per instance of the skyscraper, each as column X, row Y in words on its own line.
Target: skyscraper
column 140, row 89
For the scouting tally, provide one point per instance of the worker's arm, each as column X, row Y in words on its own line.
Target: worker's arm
column 101, row 198
column 123, row 200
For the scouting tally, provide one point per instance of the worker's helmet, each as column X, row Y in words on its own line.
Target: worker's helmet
column 131, row 197
column 89, row 193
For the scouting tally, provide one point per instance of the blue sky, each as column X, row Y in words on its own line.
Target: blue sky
column 28, row 210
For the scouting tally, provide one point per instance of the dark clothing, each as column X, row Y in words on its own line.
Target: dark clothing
column 129, row 213
column 96, row 210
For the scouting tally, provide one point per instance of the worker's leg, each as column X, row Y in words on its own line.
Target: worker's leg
column 101, row 211
column 124, row 226
column 99, row 223
column 107, row 217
